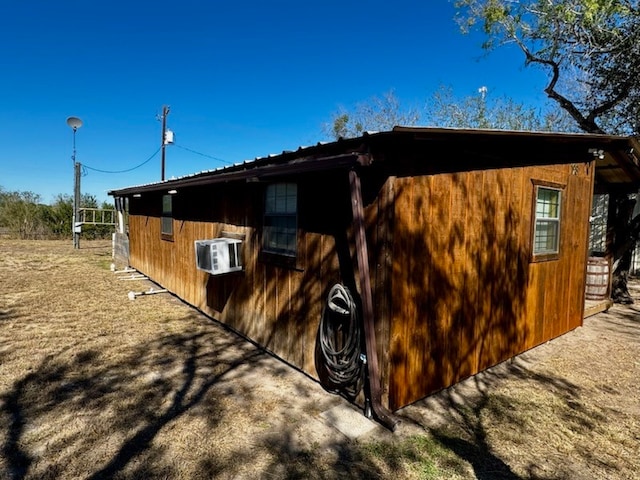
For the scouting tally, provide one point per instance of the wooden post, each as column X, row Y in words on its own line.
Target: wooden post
column 165, row 112
column 383, row 415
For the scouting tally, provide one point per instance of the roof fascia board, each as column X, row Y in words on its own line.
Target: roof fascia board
column 440, row 132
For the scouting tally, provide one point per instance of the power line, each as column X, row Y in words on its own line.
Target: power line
column 202, row 154
column 151, row 158
column 123, row 171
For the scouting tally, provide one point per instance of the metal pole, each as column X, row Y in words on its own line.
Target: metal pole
column 76, row 199
column 75, row 123
column 73, row 215
column 76, row 205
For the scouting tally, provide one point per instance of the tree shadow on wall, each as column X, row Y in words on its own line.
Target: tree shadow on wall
column 464, row 305
column 467, row 274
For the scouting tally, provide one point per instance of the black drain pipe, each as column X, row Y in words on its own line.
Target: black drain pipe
column 381, row 413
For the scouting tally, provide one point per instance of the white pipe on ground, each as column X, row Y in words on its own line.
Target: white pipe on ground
column 134, row 277
column 126, row 270
column 132, row 295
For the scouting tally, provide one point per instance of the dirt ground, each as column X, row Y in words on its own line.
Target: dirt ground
column 94, row 385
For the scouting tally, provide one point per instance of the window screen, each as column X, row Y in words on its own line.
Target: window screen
column 167, row 215
column 280, row 219
column 598, row 224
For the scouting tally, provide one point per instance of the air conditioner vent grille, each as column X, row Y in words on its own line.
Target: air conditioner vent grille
column 218, row 255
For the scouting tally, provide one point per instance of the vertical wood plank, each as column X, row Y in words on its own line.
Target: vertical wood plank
column 404, row 313
column 474, row 224
column 382, row 259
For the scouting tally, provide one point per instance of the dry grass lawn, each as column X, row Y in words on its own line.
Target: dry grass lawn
column 94, row 385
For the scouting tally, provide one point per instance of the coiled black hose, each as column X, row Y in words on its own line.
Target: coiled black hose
column 341, row 341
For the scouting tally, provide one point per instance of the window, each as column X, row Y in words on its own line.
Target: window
column 167, row 217
column 280, row 219
column 546, row 235
column 598, row 224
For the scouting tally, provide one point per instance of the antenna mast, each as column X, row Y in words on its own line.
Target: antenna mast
column 75, row 123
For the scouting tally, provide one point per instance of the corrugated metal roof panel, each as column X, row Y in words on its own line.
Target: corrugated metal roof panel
column 422, row 133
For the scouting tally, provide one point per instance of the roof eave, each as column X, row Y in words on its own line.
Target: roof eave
column 253, row 173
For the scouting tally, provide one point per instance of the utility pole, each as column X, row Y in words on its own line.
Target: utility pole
column 163, row 118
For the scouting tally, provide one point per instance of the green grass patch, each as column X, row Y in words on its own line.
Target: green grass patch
column 417, row 457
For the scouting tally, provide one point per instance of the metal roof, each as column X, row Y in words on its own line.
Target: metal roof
column 620, row 163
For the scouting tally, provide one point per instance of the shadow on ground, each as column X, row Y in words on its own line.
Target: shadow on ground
column 524, row 420
column 83, row 415
column 95, row 413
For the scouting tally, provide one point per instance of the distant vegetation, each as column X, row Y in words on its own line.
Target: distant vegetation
column 23, row 215
column 445, row 109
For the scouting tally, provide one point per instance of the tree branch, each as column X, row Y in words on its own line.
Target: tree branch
column 585, row 123
column 625, row 89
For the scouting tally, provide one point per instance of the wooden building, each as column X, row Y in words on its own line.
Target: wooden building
column 460, row 248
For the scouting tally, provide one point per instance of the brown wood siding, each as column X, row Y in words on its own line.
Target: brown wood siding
column 454, row 290
column 381, row 213
column 466, row 295
column 278, row 307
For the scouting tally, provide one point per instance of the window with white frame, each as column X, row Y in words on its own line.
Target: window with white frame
column 281, row 219
column 167, row 216
column 546, row 235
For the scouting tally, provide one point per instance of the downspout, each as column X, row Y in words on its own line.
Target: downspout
column 381, row 413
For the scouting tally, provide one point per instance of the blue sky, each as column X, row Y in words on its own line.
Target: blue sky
column 243, row 79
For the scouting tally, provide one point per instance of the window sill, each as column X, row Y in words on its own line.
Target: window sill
column 280, row 260
column 544, row 257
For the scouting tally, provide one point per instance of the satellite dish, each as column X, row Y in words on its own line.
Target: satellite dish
column 74, row 122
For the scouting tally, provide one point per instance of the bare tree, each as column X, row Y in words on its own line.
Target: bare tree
column 375, row 114
column 484, row 110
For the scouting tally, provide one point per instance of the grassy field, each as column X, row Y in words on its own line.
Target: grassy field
column 94, row 385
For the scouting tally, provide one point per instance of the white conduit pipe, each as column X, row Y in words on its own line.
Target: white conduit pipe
column 133, row 277
column 132, row 295
column 126, row 270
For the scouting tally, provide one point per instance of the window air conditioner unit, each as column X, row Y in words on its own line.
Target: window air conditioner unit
column 219, row 255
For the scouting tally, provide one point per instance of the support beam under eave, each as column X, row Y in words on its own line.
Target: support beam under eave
column 382, row 414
